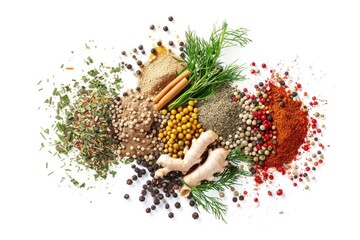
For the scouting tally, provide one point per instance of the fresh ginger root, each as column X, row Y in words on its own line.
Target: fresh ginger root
column 192, row 155
column 215, row 162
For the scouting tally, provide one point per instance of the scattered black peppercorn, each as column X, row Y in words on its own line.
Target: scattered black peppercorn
column 177, row 205
column 141, row 198
column 241, row 197
column 192, row 203
column 167, row 206
column 153, row 50
column 138, row 72
column 152, row 27
column 141, row 47
column 171, row 215
column 165, row 28
column 126, row 196
column 159, row 43
column 195, row 215
column 171, row 43
column 129, row 66
column 123, row 53
column 129, row 182
column 170, row 18
column 147, row 210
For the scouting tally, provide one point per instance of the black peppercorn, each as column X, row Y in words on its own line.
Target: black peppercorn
column 195, row 215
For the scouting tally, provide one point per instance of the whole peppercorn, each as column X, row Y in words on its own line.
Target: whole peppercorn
column 153, row 50
column 141, row 198
column 195, row 215
column 171, row 215
column 171, row 43
column 167, row 206
column 129, row 66
column 177, row 205
column 192, row 203
column 141, row 47
column 159, row 43
column 241, row 197
column 152, row 27
column 165, row 28
column 126, row 196
column 138, row 72
column 129, row 182
column 170, row 18
column 147, row 210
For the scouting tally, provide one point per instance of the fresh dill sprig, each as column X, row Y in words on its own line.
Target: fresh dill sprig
column 210, row 204
column 202, row 58
column 236, row 156
column 225, row 180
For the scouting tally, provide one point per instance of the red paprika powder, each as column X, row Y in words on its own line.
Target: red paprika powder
column 291, row 123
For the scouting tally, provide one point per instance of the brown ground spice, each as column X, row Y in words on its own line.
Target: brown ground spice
column 157, row 73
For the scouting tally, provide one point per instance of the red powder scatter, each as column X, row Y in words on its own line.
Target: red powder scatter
column 291, row 124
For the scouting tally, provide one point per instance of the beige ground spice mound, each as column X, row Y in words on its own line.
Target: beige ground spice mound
column 157, row 73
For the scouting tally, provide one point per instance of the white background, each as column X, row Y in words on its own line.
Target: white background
column 36, row 38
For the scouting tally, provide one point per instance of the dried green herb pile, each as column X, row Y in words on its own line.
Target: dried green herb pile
column 83, row 125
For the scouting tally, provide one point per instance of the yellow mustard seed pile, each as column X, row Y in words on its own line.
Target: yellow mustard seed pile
column 181, row 128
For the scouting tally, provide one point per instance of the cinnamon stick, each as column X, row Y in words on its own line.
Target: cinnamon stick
column 168, row 87
column 171, row 94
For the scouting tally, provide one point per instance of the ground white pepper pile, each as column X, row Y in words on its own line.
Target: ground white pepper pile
column 157, row 73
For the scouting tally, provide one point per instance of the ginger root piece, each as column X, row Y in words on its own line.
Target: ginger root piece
column 192, row 155
column 215, row 162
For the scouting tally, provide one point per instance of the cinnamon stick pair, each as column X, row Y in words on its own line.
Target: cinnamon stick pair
column 171, row 90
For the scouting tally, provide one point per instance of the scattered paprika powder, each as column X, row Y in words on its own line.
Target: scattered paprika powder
column 291, row 123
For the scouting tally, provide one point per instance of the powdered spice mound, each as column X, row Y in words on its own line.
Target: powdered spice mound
column 157, row 73
column 291, row 122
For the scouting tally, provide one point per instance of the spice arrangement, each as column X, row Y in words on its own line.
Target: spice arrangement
column 189, row 130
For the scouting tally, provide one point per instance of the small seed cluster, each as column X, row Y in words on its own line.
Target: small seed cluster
column 132, row 118
column 181, row 127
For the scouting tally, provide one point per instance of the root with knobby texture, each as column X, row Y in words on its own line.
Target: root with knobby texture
column 215, row 162
column 192, row 155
